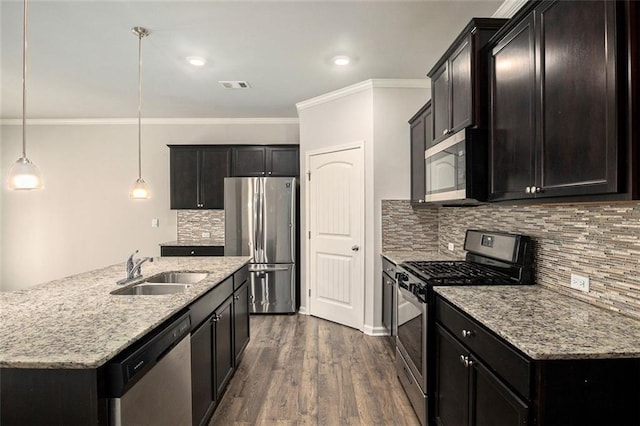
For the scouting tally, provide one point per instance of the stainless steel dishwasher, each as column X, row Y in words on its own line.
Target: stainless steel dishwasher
column 150, row 384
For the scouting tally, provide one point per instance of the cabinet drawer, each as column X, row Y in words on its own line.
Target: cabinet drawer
column 240, row 277
column 388, row 267
column 205, row 305
column 192, row 251
column 505, row 361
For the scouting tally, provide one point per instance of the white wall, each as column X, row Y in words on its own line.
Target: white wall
column 376, row 112
column 83, row 219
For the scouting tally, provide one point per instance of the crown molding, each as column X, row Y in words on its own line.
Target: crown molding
column 508, row 8
column 148, row 121
column 365, row 85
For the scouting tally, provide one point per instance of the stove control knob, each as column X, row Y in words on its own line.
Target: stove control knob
column 401, row 276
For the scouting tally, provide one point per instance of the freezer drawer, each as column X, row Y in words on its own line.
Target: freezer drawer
column 272, row 288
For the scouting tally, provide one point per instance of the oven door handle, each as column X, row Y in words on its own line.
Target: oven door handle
column 411, row 297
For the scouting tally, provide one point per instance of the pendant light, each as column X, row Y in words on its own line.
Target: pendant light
column 139, row 190
column 24, row 175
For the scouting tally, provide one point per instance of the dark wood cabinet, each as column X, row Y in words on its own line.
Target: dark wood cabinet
column 512, row 131
column 481, row 380
column 452, row 381
column 197, row 176
column 389, row 299
column 191, row 250
column 223, row 345
column 420, row 128
column 258, row 161
column 557, row 104
column 458, row 86
column 220, row 321
column 203, row 396
column 241, row 320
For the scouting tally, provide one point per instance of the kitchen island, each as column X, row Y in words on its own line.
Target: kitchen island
column 57, row 337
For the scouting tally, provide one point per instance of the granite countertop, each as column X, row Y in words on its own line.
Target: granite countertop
column 397, row 256
column 548, row 325
column 193, row 243
column 75, row 322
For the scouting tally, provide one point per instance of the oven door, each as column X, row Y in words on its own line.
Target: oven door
column 412, row 333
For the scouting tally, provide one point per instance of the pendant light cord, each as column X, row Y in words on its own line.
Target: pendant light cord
column 140, row 35
column 24, row 81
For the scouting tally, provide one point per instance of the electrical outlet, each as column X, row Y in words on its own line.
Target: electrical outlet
column 580, row 283
column 206, row 235
column 155, row 223
column 451, row 246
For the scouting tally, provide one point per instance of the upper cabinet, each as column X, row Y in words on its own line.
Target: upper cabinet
column 458, row 88
column 197, row 176
column 197, row 172
column 420, row 125
column 559, row 101
column 258, row 161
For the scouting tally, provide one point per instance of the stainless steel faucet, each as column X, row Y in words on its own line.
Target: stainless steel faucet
column 134, row 267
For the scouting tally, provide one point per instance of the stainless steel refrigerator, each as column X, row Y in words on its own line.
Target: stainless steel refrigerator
column 260, row 221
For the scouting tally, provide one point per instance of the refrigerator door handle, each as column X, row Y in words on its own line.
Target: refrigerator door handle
column 273, row 269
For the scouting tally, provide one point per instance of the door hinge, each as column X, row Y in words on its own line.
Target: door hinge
column 308, row 175
column 309, row 292
column 309, row 234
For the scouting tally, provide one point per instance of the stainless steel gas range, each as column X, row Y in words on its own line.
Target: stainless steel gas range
column 492, row 258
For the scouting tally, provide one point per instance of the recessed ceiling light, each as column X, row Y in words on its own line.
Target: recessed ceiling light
column 341, row 60
column 196, row 61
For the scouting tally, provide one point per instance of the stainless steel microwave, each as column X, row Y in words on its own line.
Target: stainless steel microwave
column 456, row 169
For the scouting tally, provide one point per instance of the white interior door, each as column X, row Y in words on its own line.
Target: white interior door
column 336, row 224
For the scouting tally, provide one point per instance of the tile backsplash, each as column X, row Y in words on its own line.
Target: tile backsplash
column 601, row 241
column 192, row 223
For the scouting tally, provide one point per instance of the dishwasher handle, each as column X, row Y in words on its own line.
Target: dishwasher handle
column 126, row 369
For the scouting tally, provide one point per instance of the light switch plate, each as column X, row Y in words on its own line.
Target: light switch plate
column 155, row 223
column 579, row 282
column 451, row 246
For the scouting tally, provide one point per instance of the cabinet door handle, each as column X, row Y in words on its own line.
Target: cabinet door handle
column 464, row 360
column 262, row 173
column 527, row 190
column 467, row 333
column 269, row 173
column 216, row 318
column 192, row 252
column 236, row 297
column 538, row 189
column 445, row 131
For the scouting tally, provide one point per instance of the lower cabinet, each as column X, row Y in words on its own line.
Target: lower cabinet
column 223, row 353
column 480, row 379
column 467, row 393
column 241, row 320
column 389, row 300
column 217, row 342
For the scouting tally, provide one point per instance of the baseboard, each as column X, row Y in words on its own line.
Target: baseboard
column 375, row 331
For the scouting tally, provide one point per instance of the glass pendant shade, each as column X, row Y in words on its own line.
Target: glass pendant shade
column 24, row 175
column 139, row 190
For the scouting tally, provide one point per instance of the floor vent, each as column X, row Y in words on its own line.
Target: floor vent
column 235, row 84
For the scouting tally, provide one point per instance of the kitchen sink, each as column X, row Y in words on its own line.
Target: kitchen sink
column 163, row 283
column 177, row 277
column 151, row 289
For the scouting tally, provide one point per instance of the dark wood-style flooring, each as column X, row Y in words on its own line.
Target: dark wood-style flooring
column 301, row 370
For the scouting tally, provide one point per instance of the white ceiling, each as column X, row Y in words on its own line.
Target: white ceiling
column 83, row 57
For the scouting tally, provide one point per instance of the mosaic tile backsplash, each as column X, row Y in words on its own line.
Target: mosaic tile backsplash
column 595, row 240
column 192, row 223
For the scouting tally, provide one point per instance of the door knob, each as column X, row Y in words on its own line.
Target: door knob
column 355, row 248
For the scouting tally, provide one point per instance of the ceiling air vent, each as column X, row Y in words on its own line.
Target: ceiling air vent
column 235, row 84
